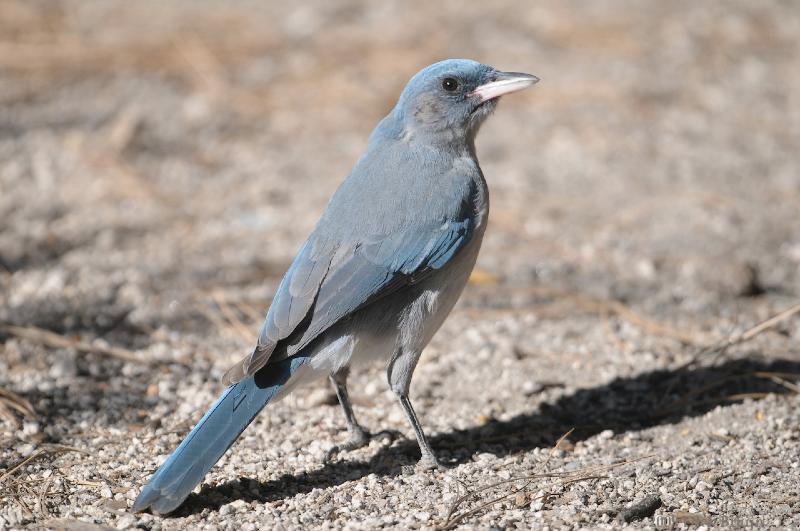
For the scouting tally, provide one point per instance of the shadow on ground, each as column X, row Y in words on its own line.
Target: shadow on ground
column 624, row 404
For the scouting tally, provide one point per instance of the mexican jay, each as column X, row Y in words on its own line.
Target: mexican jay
column 377, row 276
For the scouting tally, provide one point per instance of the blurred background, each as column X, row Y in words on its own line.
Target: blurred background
column 160, row 164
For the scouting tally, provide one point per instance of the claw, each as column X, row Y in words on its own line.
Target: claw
column 359, row 439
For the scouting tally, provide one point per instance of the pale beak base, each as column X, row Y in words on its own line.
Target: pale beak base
column 505, row 83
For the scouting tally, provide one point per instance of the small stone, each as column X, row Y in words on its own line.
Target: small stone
column 605, row 435
column 521, row 499
column 30, row 428
column 126, row 522
column 702, row 486
column 538, row 501
column 238, row 504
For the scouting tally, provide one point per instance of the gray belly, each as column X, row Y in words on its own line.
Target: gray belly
column 434, row 299
column 405, row 320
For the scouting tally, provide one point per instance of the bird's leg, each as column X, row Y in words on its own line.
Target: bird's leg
column 359, row 436
column 399, row 374
column 428, row 460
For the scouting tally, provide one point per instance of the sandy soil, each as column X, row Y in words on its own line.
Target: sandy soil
column 160, row 165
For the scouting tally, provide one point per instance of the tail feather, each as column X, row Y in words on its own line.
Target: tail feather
column 212, row 436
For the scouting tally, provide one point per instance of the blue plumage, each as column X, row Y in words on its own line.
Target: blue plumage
column 377, row 276
column 212, row 436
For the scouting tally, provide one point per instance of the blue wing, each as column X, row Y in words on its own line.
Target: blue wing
column 330, row 280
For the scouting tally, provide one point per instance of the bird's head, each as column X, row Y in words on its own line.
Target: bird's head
column 450, row 99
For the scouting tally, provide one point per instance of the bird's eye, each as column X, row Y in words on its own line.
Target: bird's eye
column 449, row 84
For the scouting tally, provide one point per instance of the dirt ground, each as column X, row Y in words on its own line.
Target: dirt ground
column 161, row 164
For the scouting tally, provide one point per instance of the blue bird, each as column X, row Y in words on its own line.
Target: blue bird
column 377, row 276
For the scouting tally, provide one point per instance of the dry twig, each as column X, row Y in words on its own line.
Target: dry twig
column 52, row 339
column 777, row 377
column 52, row 449
column 10, row 402
column 453, row 517
column 720, row 347
column 560, row 442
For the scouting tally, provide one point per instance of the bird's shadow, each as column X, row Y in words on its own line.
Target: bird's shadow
column 624, row 404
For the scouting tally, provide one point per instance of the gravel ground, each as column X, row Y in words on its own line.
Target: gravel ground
column 160, row 165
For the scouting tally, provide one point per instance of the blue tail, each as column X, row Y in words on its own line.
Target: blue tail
column 212, row 436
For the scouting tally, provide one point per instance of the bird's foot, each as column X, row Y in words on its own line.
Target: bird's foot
column 427, row 463
column 360, row 438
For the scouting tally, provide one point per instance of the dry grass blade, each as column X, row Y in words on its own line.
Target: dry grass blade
column 235, row 322
column 598, row 306
column 49, row 450
column 11, row 402
column 453, row 520
column 644, row 323
column 721, row 346
column 778, row 379
column 769, row 323
column 560, row 441
column 744, row 396
column 51, row 339
column 42, row 495
column 22, row 502
column 68, row 524
column 450, row 524
column 690, row 398
column 453, row 517
column 611, row 466
column 90, row 55
column 17, row 403
column 473, row 493
column 222, row 324
column 8, row 415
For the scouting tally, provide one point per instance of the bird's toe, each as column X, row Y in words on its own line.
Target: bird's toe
column 359, row 439
column 389, row 436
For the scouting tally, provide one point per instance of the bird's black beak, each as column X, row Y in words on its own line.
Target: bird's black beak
column 503, row 83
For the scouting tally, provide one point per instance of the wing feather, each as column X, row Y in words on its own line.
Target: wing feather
column 329, row 281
